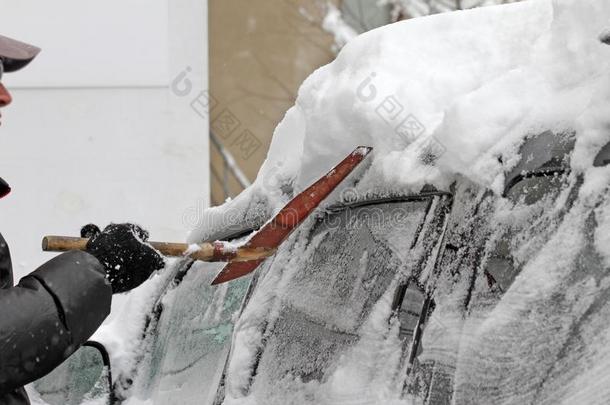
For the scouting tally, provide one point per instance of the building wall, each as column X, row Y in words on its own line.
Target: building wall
column 260, row 53
column 110, row 122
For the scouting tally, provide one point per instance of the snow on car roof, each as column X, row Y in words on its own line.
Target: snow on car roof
column 446, row 95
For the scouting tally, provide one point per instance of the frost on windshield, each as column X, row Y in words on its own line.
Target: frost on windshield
column 192, row 339
column 337, row 282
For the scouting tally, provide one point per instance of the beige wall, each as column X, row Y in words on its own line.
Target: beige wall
column 260, row 53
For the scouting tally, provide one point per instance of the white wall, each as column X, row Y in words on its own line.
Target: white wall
column 91, row 43
column 96, row 133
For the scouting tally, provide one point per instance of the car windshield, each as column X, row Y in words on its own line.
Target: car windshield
column 193, row 336
column 355, row 254
column 339, row 269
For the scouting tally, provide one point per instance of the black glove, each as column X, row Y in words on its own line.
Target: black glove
column 122, row 249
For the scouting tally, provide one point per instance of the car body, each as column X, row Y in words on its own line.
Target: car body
column 422, row 297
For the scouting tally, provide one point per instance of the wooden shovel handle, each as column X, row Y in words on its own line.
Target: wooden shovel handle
column 207, row 252
column 63, row 243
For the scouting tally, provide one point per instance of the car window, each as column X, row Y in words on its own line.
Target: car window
column 192, row 337
column 85, row 377
column 357, row 255
column 353, row 256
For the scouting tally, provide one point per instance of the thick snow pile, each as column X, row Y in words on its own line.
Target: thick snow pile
column 466, row 87
column 440, row 98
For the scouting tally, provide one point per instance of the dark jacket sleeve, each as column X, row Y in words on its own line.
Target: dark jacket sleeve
column 48, row 315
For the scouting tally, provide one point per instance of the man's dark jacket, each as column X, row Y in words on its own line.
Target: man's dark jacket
column 46, row 317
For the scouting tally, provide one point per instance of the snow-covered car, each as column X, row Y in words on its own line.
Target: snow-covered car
column 466, row 263
column 389, row 298
column 359, row 291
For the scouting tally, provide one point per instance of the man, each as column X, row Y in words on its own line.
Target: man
column 56, row 308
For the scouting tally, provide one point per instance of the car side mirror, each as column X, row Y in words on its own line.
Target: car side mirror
column 84, row 376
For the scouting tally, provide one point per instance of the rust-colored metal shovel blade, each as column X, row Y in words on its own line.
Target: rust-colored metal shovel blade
column 272, row 234
column 235, row 270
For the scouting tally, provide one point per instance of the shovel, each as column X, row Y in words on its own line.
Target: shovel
column 245, row 258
